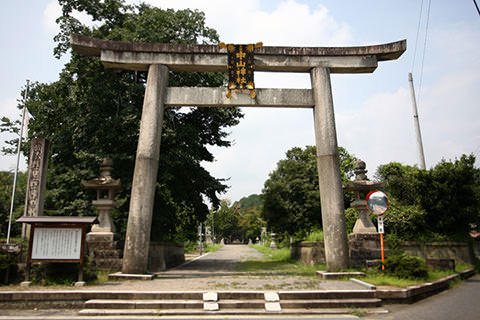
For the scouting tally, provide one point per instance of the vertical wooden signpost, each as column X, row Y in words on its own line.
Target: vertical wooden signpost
column 57, row 239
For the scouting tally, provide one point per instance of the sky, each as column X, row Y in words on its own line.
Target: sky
column 373, row 111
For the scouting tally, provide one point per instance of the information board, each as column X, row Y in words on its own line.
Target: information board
column 57, row 244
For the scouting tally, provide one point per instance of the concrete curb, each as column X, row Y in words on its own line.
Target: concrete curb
column 364, row 284
column 415, row 293
column 185, row 263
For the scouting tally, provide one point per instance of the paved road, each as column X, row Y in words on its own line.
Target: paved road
column 226, row 259
column 460, row 303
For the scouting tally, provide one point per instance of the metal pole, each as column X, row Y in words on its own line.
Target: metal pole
column 383, row 252
column 18, row 161
column 417, row 123
column 200, row 247
column 213, row 227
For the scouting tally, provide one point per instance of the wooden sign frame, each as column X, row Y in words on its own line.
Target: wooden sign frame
column 54, row 253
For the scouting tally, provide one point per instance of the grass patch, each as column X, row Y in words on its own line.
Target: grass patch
column 460, row 266
column 278, row 261
column 358, row 312
column 212, row 247
column 387, row 280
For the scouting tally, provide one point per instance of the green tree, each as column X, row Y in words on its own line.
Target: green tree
column 445, row 199
column 291, row 199
column 6, row 185
column 225, row 220
column 250, row 211
column 92, row 112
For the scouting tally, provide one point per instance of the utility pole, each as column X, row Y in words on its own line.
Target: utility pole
column 417, row 123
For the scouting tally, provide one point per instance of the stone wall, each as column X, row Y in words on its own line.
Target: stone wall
column 308, row 252
column 163, row 255
column 105, row 251
column 459, row 251
column 366, row 248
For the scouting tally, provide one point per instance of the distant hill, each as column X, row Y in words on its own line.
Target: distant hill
column 253, row 201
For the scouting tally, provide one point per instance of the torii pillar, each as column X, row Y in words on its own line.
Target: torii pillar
column 137, row 240
column 158, row 59
column 329, row 178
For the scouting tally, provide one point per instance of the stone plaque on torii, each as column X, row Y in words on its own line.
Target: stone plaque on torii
column 158, row 59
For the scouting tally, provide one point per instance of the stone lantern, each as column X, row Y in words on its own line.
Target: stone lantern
column 105, row 186
column 361, row 186
column 103, row 246
column 364, row 241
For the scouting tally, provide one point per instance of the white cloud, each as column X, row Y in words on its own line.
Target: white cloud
column 289, row 23
column 9, row 110
column 380, row 130
column 50, row 14
column 53, row 11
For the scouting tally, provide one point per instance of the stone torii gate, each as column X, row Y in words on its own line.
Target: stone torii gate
column 158, row 59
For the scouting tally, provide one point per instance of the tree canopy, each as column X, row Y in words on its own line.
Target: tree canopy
column 6, row 185
column 291, row 199
column 444, row 200
column 92, row 112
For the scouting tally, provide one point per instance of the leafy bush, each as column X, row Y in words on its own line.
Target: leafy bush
column 190, row 246
column 350, row 218
column 315, row 235
column 54, row 273
column 8, row 265
column 406, row 267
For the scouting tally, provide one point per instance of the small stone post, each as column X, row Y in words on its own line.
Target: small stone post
column 137, row 240
column 208, row 235
column 330, row 183
column 273, row 245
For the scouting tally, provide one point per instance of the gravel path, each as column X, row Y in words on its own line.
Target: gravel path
column 216, row 271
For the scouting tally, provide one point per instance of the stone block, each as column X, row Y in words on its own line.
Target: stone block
column 210, row 306
column 210, row 296
column 272, row 297
column 273, row 307
column 441, row 264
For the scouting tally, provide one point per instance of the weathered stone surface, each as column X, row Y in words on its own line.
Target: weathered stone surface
column 309, row 253
column 364, row 247
column 135, row 257
column 272, row 297
column 438, row 250
column 330, row 185
column 180, row 57
column 273, row 307
column 105, row 251
column 210, row 306
column 210, row 296
column 216, row 97
column 163, row 255
column 37, row 181
column 441, row 264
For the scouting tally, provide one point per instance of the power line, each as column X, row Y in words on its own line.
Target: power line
column 476, row 6
column 424, row 49
column 416, row 38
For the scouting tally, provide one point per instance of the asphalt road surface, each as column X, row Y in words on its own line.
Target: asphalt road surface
column 459, row 303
